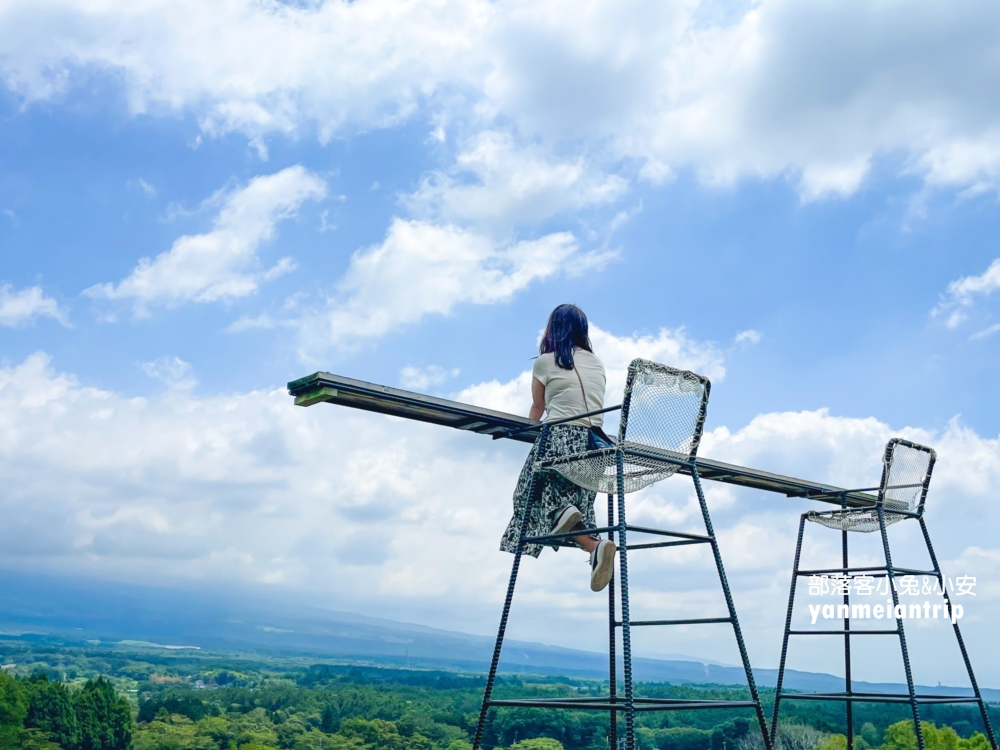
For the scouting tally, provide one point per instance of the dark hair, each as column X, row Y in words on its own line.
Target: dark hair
column 567, row 327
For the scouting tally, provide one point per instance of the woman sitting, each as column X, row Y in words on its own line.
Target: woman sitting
column 567, row 379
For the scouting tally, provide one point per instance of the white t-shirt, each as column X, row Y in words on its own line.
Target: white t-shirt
column 563, row 396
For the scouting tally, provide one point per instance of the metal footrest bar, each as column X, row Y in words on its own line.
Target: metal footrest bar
column 610, row 703
column 879, row 697
column 707, row 705
column 545, row 538
column 664, row 532
column 527, row 703
column 843, row 632
column 694, row 621
column 683, row 542
column 687, row 538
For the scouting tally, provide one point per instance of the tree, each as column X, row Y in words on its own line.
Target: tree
column 537, row 743
column 330, row 720
column 104, row 719
column 50, row 710
column 16, row 738
column 13, row 701
column 833, row 742
column 377, row 732
column 900, row 736
column 870, row 734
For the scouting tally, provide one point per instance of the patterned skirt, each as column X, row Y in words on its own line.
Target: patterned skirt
column 556, row 491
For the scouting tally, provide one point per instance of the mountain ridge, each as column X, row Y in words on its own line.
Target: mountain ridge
column 88, row 610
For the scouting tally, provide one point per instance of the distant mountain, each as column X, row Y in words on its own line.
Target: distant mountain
column 92, row 610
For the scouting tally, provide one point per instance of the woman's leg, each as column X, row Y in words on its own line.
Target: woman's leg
column 589, row 543
column 523, row 505
column 556, row 494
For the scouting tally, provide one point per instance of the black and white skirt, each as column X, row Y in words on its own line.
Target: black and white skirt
column 556, row 491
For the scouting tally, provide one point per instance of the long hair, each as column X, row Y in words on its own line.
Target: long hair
column 567, row 327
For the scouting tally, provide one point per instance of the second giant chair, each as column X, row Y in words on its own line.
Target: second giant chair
column 906, row 476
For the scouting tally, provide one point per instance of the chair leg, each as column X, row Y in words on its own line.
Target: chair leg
column 534, row 489
column 958, row 637
column 612, row 635
column 900, row 632
column 847, row 646
column 732, row 607
column 626, row 623
column 788, row 628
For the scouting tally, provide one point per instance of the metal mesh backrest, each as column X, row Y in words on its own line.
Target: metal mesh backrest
column 906, row 475
column 663, row 413
column 663, row 408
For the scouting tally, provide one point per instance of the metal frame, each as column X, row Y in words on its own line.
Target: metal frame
column 614, row 703
column 325, row 387
column 889, row 571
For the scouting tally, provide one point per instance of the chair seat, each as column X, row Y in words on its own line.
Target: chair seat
column 864, row 520
column 598, row 470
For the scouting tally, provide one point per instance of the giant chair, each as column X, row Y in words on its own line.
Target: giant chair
column 662, row 416
column 906, row 475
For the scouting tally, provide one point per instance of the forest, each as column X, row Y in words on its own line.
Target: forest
column 96, row 696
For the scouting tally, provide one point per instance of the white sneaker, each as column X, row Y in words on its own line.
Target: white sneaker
column 602, row 565
column 567, row 519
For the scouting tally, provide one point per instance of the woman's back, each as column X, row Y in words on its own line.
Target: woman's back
column 563, row 393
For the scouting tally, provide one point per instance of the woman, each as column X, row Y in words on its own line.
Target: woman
column 567, row 379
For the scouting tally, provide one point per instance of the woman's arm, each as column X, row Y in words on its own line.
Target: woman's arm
column 537, row 399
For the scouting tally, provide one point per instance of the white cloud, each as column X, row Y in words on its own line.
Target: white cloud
column 747, row 338
column 985, row 333
column 249, row 67
column 221, row 264
column 764, row 94
column 962, row 294
column 964, row 290
column 247, row 488
column 20, row 308
column 421, row 378
column 780, row 89
column 140, row 184
column 510, row 184
column 239, row 487
column 263, row 322
column 422, row 269
column 171, row 370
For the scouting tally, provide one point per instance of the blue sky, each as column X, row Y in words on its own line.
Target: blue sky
column 401, row 193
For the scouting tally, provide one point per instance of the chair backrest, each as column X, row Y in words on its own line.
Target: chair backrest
column 663, row 408
column 906, row 475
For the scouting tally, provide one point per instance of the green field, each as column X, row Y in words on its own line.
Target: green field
column 94, row 696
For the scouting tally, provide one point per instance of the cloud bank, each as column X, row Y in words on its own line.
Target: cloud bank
column 248, row 489
column 779, row 89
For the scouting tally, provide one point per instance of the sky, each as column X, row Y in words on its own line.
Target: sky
column 202, row 201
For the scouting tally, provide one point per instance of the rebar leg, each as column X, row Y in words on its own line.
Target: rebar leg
column 533, row 489
column 847, row 645
column 918, row 730
column 732, row 607
column 626, row 625
column 958, row 637
column 788, row 628
column 612, row 635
